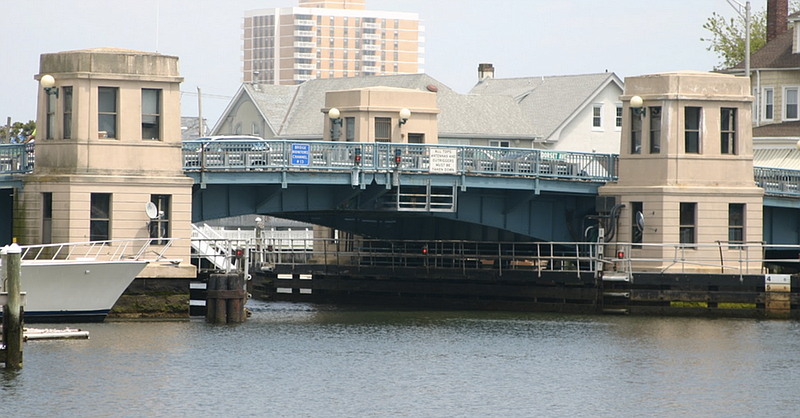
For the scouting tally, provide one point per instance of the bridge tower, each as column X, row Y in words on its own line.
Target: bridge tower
column 108, row 143
column 381, row 114
column 686, row 169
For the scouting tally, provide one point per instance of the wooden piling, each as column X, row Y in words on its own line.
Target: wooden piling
column 226, row 297
column 12, row 310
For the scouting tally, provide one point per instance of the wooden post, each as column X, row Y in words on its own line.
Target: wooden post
column 226, row 299
column 12, row 311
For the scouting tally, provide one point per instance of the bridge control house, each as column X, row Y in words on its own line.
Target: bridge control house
column 108, row 143
column 686, row 172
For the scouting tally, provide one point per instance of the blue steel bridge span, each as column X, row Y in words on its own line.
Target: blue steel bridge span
column 410, row 191
column 415, row 191
column 401, row 191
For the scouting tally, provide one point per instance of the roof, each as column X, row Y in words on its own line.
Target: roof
column 778, row 130
column 549, row 101
column 294, row 111
column 776, row 54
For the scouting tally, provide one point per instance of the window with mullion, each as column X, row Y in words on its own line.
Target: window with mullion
column 688, row 215
column 727, row 130
column 692, row 130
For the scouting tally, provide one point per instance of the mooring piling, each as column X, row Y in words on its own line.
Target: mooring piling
column 12, row 308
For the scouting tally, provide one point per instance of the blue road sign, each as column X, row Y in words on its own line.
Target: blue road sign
column 300, row 154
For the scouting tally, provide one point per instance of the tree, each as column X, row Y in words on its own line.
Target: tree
column 17, row 128
column 728, row 35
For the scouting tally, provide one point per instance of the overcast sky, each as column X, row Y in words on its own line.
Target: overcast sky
column 520, row 37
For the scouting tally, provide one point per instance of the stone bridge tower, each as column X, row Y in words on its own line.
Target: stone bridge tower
column 686, row 171
column 108, row 142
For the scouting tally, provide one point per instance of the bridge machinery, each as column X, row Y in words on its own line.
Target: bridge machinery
column 402, row 191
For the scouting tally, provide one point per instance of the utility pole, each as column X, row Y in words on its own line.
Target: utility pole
column 200, row 129
column 744, row 12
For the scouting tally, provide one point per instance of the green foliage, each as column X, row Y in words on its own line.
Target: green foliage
column 17, row 128
column 728, row 37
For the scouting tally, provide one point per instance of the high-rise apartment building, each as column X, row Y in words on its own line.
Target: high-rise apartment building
column 326, row 39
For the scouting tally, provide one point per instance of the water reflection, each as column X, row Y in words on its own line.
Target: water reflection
column 297, row 360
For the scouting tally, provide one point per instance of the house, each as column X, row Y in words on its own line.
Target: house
column 775, row 84
column 576, row 113
column 572, row 112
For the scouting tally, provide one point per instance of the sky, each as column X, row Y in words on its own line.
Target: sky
column 521, row 38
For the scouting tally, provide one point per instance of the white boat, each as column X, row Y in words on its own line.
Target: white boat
column 81, row 282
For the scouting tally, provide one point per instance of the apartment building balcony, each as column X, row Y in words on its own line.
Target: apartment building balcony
column 367, row 25
column 305, row 33
column 372, row 36
column 305, row 66
column 370, row 58
column 370, row 69
column 303, row 22
column 371, row 47
column 304, row 44
column 303, row 77
column 304, row 55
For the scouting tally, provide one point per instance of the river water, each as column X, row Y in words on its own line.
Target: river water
column 300, row 360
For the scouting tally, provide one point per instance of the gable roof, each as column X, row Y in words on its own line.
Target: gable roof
column 295, row 111
column 552, row 101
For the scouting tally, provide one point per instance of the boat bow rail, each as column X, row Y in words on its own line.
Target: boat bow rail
column 138, row 249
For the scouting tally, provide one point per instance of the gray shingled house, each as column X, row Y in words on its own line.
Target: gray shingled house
column 576, row 113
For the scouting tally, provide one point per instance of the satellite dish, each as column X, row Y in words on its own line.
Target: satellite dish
column 151, row 210
column 640, row 221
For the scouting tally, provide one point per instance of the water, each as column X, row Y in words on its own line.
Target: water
column 297, row 360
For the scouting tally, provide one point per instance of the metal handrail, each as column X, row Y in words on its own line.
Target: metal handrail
column 580, row 257
column 110, row 250
column 283, row 155
column 16, row 158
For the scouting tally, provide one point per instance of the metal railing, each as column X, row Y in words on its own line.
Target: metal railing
column 778, row 181
column 113, row 250
column 732, row 258
column 536, row 257
column 16, row 158
column 285, row 155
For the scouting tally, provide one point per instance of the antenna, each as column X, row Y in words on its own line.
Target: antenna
column 151, row 210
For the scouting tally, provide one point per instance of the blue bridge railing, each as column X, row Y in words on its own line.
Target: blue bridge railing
column 233, row 155
column 16, row 158
column 238, row 155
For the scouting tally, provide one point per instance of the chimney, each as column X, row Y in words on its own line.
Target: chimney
column 485, row 70
column 777, row 22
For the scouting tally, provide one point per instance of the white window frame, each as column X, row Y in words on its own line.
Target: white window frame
column 786, row 103
column 770, row 103
column 597, row 114
column 500, row 144
column 618, row 117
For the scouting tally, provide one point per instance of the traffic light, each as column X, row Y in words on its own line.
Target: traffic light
column 397, row 158
column 425, row 250
column 357, row 156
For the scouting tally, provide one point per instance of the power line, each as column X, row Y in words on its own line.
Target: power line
column 209, row 96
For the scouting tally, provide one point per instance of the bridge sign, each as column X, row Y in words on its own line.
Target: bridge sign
column 443, row 160
column 300, row 154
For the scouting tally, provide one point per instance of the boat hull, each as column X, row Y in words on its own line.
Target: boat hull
column 75, row 291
